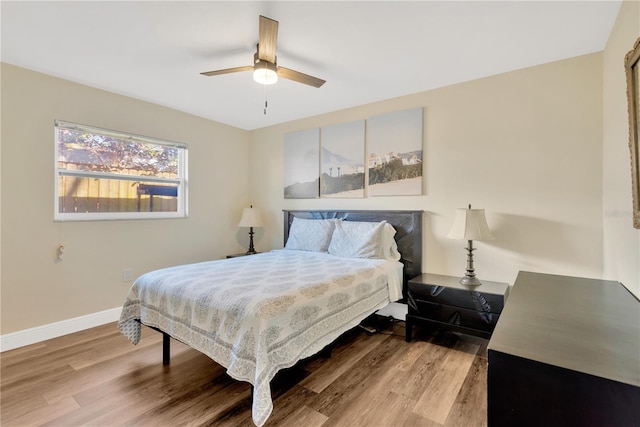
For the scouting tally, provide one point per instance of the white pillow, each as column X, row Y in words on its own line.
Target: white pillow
column 355, row 239
column 310, row 234
column 389, row 247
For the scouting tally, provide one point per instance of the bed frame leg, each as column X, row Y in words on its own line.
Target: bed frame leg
column 166, row 349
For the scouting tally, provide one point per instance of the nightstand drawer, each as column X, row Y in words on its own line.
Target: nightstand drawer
column 475, row 319
column 464, row 298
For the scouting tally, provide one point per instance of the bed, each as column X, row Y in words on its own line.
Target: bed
column 259, row 314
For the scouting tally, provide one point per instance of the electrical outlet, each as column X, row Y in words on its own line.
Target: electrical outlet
column 127, row 274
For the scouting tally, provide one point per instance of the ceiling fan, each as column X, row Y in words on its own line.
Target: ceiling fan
column 265, row 67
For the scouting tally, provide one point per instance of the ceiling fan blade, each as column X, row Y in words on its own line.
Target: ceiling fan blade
column 299, row 77
column 268, row 33
column 228, row 70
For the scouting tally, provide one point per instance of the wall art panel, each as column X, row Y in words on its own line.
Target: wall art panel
column 395, row 153
column 342, row 170
column 302, row 164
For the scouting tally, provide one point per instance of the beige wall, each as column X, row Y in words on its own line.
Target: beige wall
column 621, row 240
column 526, row 146
column 35, row 289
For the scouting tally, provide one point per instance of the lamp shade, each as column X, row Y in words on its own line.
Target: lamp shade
column 250, row 218
column 470, row 224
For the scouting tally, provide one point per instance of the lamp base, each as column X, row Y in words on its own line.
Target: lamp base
column 470, row 278
column 470, row 281
column 251, row 250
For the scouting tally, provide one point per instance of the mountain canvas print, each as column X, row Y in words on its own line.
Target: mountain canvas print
column 302, row 164
column 342, row 171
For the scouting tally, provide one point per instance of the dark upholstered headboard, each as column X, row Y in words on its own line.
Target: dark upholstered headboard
column 408, row 225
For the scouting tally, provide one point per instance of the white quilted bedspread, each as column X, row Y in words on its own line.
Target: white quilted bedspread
column 258, row 314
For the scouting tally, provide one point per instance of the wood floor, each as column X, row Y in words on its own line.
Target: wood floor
column 98, row 378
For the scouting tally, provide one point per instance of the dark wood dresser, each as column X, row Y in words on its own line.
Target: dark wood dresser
column 566, row 352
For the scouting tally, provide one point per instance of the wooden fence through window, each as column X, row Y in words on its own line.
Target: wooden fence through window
column 78, row 194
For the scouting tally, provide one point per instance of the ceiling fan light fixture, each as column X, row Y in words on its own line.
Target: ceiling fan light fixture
column 265, row 73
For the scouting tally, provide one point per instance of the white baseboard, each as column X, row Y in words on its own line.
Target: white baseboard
column 57, row 329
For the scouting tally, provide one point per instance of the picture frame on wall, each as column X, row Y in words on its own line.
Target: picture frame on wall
column 302, row 164
column 632, row 69
column 395, row 153
column 342, row 160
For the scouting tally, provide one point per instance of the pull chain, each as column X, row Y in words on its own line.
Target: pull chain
column 265, row 100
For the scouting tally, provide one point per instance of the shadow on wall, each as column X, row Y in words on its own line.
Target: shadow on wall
column 433, row 253
column 242, row 237
column 540, row 245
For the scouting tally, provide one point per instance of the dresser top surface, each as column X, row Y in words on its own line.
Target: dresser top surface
column 586, row 325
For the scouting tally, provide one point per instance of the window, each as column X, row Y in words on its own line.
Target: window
column 104, row 174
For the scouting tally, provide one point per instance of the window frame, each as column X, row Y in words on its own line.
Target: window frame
column 181, row 180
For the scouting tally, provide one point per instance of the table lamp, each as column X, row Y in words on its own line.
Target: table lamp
column 470, row 224
column 250, row 218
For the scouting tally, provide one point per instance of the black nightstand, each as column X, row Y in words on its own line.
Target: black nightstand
column 243, row 254
column 441, row 301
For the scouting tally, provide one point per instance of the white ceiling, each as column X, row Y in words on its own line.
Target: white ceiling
column 365, row 50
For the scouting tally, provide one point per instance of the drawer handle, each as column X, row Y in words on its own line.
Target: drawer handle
column 436, row 290
column 482, row 307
